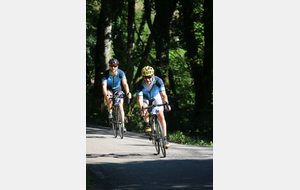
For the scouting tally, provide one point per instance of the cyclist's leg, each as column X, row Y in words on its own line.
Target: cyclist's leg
column 145, row 104
column 109, row 104
column 146, row 115
column 109, row 92
column 161, row 118
column 121, row 108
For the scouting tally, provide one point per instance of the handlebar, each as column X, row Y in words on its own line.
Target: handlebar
column 152, row 106
column 115, row 96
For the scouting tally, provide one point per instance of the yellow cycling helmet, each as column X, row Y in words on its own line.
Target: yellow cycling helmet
column 147, row 71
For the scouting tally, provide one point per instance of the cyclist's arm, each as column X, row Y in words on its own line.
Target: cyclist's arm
column 162, row 90
column 140, row 102
column 126, row 87
column 139, row 94
column 104, row 89
column 164, row 96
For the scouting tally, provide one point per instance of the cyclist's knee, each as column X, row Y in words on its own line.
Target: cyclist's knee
column 160, row 115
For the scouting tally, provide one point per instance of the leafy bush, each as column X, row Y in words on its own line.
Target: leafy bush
column 180, row 137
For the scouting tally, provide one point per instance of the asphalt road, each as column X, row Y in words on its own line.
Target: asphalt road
column 132, row 163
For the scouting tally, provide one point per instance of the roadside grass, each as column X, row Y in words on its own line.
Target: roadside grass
column 187, row 139
column 177, row 137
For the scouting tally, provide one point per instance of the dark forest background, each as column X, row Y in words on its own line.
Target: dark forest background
column 175, row 37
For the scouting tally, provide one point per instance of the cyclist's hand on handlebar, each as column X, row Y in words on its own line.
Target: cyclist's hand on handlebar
column 167, row 108
column 129, row 95
column 142, row 113
column 106, row 97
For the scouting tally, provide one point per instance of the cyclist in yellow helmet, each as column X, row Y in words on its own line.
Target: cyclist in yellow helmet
column 148, row 88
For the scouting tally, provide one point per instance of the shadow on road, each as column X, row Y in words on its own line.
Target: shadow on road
column 112, row 155
column 159, row 174
column 93, row 128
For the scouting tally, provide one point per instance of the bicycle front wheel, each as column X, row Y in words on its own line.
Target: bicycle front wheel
column 161, row 138
column 114, row 124
column 156, row 137
column 120, row 123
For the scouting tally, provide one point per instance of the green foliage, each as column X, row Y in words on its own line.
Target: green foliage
column 93, row 107
column 119, row 35
column 181, row 138
column 92, row 14
column 134, row 123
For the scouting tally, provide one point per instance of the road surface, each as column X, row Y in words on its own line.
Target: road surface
column 132, row 163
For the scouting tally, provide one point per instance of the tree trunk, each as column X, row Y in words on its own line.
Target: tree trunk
column 174, row 115
column 139, row 42
column 144, row 57
column 103, row 45
column 194, row 59
column 160, row 31
column 130, row 42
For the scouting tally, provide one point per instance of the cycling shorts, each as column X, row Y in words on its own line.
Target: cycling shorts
column 157, row 100
column 118, row 91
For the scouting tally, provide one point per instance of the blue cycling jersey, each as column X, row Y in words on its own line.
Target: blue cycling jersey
column 113, row 82
column 144, row 90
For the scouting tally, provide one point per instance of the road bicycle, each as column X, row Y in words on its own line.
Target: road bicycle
column 117, row 121
column 156, row 134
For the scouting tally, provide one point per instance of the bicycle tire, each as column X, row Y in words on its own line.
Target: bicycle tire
column 155, row 137
column 120, row 122
column 114, row 125
column 161, row 138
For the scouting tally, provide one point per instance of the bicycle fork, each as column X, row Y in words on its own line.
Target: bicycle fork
column 153, row 134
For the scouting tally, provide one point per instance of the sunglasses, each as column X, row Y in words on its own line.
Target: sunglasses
column 112, row 65
column 148, row 77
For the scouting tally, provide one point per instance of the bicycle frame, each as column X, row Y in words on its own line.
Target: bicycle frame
column 117, row 115
column 157, row 135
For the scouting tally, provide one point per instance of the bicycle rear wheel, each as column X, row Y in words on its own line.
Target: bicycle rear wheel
column 161, row 138
column 120, row 123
